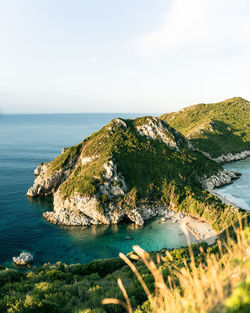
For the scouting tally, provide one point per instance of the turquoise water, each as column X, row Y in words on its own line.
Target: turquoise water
column 26, row 141
column 239, row 191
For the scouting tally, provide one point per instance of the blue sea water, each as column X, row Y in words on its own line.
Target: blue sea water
column 239, row 191
column 26, row 141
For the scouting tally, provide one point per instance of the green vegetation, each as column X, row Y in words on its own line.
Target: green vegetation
column 152, row 170
column 65, row 159
column 216, row 128
column 87, row 177
column 62, row 288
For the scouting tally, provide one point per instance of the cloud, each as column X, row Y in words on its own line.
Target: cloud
column 94, row 60
column 199, row 26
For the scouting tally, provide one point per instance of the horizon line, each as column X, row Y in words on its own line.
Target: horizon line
column 65, row 113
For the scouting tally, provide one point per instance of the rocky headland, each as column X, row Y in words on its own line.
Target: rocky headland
column 130, row 169
column 220, row 131
column 87, row 209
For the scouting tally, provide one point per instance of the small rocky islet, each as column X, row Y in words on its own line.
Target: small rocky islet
column 25, row 258
column 135, row 169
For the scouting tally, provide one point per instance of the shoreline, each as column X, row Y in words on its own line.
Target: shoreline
column 224, row 199
column 229, row 157
column 200, row 229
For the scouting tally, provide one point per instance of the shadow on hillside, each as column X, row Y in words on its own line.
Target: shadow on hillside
column 222, row 140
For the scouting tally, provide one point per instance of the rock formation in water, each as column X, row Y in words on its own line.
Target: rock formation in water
column 122, row 171
column 24, row 258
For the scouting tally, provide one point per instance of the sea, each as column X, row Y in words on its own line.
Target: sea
column 28, row 140
column 239, row 191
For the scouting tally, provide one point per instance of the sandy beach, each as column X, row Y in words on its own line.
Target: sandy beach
column 200, row 229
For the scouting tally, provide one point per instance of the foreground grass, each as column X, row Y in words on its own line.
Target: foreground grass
column 218, row 282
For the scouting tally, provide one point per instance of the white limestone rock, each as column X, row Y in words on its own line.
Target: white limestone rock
column 158, row 129
column 119, row 122
column 85, row 160
column 222, row 177
column 114, row 184
column 66, row 217
column 228, row 157
column 232, row 157
column 24, row 258
column 46, row 183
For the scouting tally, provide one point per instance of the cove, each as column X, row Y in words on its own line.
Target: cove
column 26, row 141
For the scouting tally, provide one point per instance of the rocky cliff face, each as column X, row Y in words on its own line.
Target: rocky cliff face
column 157, row 129
column 46, row 184
column 48, row 180
column 221, row 178
column 82, row 212
column 232, row 157
column 110, row 175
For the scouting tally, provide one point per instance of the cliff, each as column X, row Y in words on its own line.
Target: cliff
column 131, row 169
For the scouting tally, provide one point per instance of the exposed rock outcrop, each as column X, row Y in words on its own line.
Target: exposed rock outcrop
column 111, row 174
column 232, row 157
column 114, row 184
column 222, row 178
column 44, row 183
column 85, row 160
column 157, row 129
column 24, row 258
column 83, row 213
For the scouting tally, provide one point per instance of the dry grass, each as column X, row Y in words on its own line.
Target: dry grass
column 202, row 287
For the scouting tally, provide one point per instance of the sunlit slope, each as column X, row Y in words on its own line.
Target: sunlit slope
column 216, row 128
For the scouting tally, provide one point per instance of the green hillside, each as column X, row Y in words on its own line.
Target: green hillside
column 216, row 128
column 146, row 164
column 128, row 163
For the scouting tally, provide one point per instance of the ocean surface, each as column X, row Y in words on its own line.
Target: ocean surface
column 26, row 141
column 239, row 191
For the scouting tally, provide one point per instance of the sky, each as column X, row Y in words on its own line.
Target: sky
column 59, row 56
